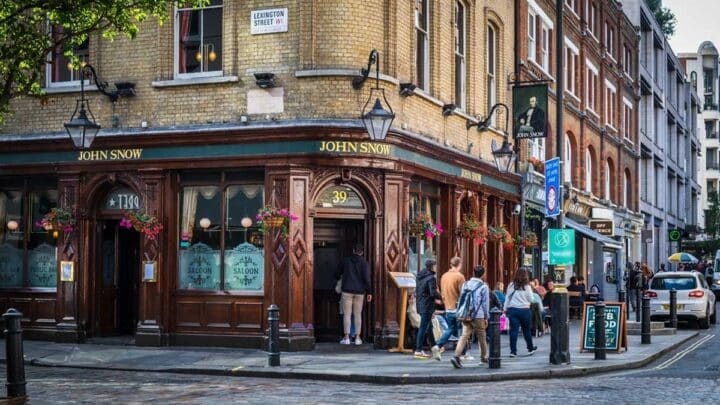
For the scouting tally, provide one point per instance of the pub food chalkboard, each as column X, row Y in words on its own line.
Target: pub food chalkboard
column 615, row 327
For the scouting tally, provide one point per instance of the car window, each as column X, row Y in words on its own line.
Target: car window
column 678, row 283
column 703, row 283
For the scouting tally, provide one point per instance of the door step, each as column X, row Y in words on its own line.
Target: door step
column 656, row 329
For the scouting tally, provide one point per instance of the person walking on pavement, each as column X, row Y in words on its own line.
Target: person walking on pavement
column 354, row 271
column 633, row 286
column 476, row 316
column 450, row 284
column 517, row 307
column 426, row 295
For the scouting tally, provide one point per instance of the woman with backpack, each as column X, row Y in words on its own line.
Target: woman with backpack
column 517, row 308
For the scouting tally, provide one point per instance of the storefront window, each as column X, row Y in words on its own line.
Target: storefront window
column 424, row 198
column 216, row 251
column 28, row 253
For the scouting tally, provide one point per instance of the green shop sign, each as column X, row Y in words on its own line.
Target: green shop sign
column 269, row 149
column 561, row 247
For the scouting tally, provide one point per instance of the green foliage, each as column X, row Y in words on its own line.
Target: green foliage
column 25, row 41
column 712, row 215
column 664, row 16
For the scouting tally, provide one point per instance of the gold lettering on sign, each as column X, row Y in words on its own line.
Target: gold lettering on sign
column 110, row 154
column 355, row 147
column 470, row 175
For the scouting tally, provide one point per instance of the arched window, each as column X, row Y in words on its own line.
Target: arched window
column 567, row 161
column 588, row 171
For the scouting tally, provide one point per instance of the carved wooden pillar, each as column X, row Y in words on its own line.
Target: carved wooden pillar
column 451, row 227
column 70, row 326
column 149, row 329
column 288, row 262
column 483, row 215
column 499, row 258
column 394, row 252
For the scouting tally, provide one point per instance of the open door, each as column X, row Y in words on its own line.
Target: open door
column 117, row 283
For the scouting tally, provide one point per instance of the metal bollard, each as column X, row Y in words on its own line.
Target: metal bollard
column 560, row 330
column 494, row 329
column 600, row 331
column 638, row 305
column 274, row 336
column 673, row 308
column 622, row 297
column 14, row 354
column 645, row 332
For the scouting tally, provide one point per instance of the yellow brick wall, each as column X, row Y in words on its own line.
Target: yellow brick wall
column 322, row 34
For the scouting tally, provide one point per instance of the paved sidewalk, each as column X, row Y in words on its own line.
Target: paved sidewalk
column 347, row 363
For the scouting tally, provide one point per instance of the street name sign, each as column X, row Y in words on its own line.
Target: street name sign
column 552, row 187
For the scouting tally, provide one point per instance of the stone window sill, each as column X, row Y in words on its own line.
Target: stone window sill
column 194, row 81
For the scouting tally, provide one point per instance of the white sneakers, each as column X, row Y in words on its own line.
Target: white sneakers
column 436, row 353
column 346, row 341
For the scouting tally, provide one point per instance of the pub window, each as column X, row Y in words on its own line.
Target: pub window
column 217, row 251
column 531, row 33
column 424, row 198
column 60, row 69
column 28, row 252
column 422, row 53
column 460, row 41
column 491, row 50
column 198, row 39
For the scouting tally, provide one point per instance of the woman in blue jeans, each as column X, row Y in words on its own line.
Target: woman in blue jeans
column 517, row 307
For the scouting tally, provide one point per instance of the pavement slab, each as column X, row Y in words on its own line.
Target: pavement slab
column 349, row 363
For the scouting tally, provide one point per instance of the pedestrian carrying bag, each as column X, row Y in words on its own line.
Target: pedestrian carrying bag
column 466, row 306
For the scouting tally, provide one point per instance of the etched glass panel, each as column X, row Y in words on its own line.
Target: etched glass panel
column 42, row 266
column 244, row 268
column 10, row 266
column 199, row 268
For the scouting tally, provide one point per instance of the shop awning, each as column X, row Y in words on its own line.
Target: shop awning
column 606, row 242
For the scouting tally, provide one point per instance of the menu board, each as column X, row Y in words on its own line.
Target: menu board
column 615, row 328
column 403, row 280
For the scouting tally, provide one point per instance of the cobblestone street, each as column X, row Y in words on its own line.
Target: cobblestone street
column 683, row 376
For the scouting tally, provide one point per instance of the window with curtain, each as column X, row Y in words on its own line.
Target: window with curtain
column 422, row 43
column 198, row 39
column 536, row 148
column 216, row 251
column 567, row 169
column 28, row 253
column 424, row 198
column 545, row 47
column 60, row 70
column 532, row 34
column 588, row 171
column 460, row 43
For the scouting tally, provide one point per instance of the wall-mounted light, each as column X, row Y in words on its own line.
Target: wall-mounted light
column 504, row 156
column 12, row 225
column 407, row 89
column 246, row 222
column 377, row 120
column 205, row 223
column 448, row 109
column 265, row 80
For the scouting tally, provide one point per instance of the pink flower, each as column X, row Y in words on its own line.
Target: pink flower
column 439, row 228
column 283, row 212
column 293, row 217
column 68, row 229
column 428, row 234
column 38, row 224
column 258, row 217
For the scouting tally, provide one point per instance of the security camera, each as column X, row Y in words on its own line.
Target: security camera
column 516, row 210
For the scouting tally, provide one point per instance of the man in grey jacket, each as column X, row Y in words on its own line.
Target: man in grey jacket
column 481, row 312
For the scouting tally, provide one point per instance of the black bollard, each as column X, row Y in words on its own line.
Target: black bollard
column 600, row 331
column 645, row 331
column 638, row 305
column 274, row 336
column 559, row 329
column 622, row 296
column 14, row 354
column 673, row 308
column 494, row 330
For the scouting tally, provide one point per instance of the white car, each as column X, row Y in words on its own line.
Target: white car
column 695, row 300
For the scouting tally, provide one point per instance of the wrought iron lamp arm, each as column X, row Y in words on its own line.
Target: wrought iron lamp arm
column 373, row 59
column 89, row 71
column 484, row 124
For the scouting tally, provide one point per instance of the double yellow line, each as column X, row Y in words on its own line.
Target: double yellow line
column 679, row 355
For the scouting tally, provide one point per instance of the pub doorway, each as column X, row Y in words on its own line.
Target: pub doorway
column 117, row 279
column 334, row 239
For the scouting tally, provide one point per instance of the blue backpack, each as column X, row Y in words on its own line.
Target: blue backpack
column 466, row 306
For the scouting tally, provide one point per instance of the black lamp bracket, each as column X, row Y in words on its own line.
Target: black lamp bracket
column 484, row 123
column 373, row 59
column 122, row 89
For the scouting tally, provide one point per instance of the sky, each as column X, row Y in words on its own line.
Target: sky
column 697, row 21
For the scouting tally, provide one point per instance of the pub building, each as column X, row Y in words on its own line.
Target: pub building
column 201, row 153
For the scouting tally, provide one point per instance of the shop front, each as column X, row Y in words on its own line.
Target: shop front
column 208, row 276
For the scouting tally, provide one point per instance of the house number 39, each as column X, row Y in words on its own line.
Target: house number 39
column 339, row 197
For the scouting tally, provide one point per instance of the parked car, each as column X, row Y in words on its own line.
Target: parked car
column 695, row 300
column 714, row 279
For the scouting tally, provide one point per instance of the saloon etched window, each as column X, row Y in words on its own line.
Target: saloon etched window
column 198, row 39
column 220, row 247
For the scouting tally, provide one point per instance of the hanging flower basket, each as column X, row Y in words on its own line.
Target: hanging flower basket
column 496, row 233
column 422, row 225
column 538, row 165
column 273, row 218
column 144, row 223
column 470, row 228
column 530, row 240
column 57, row 219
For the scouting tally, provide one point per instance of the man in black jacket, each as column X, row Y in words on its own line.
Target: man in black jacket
column 355, row 273
column 426, row 296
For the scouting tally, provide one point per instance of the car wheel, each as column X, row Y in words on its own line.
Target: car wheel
column 704, row 323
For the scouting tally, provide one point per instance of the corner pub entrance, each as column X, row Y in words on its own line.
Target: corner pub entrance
column 208, row 278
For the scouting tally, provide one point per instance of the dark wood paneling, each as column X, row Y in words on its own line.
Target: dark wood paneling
column 218, row 314
column 249, row 315
column 189, row 313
